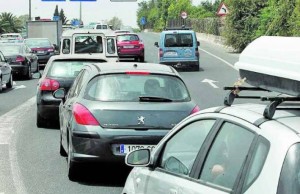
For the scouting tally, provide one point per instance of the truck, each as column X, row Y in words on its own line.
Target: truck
column 45, row 29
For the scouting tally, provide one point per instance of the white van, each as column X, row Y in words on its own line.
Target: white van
column 89, row 41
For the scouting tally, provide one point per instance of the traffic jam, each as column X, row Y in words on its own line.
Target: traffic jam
column 111, row 102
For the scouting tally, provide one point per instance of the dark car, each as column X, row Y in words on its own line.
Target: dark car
column 21, row 59
column 59, row 72
column 112, row 109
column 5, row 73
column 130, row 46
column 42, row 47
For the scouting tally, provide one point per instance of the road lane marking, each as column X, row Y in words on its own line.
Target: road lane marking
column 14, row 83
column 226, row 62
column 19, row 87
column 11, row 122
column 210, row 82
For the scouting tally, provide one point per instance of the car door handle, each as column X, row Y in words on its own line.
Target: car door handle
column 173, row 191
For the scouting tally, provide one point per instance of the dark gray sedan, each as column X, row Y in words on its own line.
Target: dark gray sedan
column 112, row 109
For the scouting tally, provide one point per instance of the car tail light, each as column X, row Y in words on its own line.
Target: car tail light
column 49, row 85
column 197, row 52
column 51, row 50
column 83, row 116
column 20, row 59
column 161, row 52
column 195, row 109
column 137, row 72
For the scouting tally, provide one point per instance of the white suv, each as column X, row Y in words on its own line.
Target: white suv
column 231, row 149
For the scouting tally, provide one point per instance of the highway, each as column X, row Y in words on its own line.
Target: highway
column 30, row 162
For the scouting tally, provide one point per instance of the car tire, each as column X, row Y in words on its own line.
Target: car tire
column 196, row 67
column 72, row 166
column 40, row 121
column 28, row 74
column 62, row 150
column 9, row 84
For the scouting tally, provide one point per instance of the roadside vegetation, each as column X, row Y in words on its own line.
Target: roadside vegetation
column 246, row 20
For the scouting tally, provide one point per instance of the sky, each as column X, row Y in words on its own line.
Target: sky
column 91, row 11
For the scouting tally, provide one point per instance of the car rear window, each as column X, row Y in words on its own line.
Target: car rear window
column 10, row 49
column 66, row 69
column 179, row 40
column 101, row 27
column 127, row 37
column 128, row 87
column 34, row 43
column 289, row 181
column 88, row 44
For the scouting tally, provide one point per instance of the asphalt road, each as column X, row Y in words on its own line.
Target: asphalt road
column 30, row 161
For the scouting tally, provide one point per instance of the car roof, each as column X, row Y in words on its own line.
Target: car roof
column 177, row 31
column 110, row 67
column 11, row 34
column 76, row 56
column 12, row 43
column 87, row 31
column 126, row 33
column 37, row 39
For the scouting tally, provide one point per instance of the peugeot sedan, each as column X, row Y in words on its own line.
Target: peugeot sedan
column 112, row 109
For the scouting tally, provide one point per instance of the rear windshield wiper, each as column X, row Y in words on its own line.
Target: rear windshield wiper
column 154, row 99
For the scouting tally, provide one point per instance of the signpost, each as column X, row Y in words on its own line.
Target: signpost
column 143, row 21
column 183, row 15
column 222, row 10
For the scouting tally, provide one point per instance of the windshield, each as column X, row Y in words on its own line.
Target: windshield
column 34, row 43
column 289, row 182
column 10, row 49
column 125, row 87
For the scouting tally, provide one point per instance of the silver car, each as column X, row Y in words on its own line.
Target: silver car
column 231, row 149
column 114, row 108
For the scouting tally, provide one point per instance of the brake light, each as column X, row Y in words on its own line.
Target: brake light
column 51, row 50
column 20, row 59
column 83, row 116
column 197, row 52
column 161, row 52
column 196, row 109
column 49, row 85
column 137, row 72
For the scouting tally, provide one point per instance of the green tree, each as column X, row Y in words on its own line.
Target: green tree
column 9, row 23
column 56, row 13
column 242, row 22
column 115, row 22
column 63, row 17
column 294, row 20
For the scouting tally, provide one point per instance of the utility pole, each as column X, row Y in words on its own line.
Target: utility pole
column 80, row 13
column 29, row 18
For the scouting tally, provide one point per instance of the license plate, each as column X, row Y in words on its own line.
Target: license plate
column 40, row 52
column 125, row 148
column 170, row 54
column 128, row 46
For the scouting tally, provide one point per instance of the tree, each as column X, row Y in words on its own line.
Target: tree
column 63, row 17
column 9, row 23
column 56, row 13
column 115, row 22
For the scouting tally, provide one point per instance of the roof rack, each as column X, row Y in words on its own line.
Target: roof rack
column 270, row 108
column 183, row 27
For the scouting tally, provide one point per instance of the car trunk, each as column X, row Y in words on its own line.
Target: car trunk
column 42, row 51
column 139, row 115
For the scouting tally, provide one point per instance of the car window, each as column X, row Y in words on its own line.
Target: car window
column 67, row 69
column 66, row 46
column 227, row 155
column 127, row 37
column 128, row 87
column 179, row 40
column 34, row 43
column 181, row 150
column 88, row 44
column 257, row 162
column 111, row 49
column 80, row 83
column 75, row 85
column 289, row 181
column 10, row 49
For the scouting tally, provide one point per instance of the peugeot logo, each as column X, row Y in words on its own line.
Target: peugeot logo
column 141, row 120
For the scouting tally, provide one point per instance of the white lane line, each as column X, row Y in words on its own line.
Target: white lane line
column 11, row 122
column 14, row 83
column 226, row 62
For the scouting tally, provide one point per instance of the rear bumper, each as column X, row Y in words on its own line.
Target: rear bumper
column 181, row 64
column 19, row 69
column 48, row 106
column 43, row 59
column 92, row 147
column 131, row 53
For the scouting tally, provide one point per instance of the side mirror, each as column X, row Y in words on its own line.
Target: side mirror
column 198, row 43
column 138, row 158
column 59, row 93
column 156, row 44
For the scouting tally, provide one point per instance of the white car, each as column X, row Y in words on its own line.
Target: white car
column 11, row 37
column 232, row 149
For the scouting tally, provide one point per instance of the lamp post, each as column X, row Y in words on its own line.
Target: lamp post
column 80, row 12
column 29, row 17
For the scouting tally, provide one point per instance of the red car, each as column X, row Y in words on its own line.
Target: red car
column 130, row 46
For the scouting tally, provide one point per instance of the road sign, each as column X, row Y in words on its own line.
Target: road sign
column 184, row 15
column 222, row 10
column 75, row 23
column 53, row 0
column 56, row 18
column 83, row 0
column 143, row 21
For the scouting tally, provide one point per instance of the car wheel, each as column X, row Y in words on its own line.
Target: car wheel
column 0, row 84
column 40, row 121
column 62, row 151
column 29, row 75
column 9, row 84
column 72, row 166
